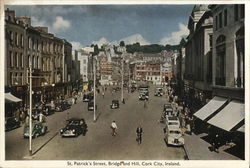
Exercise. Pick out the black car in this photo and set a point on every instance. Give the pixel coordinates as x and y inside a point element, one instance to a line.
<point>87,97</point>
<point>74,128</point>
<point>12,123</point>
<point>91,106</point>
<point>64,105</point>
<point>114,104</point>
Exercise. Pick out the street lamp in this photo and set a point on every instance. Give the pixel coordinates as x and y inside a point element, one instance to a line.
<point>94,71</point>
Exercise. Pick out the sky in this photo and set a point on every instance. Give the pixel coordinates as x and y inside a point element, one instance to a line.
<point>83,25</point>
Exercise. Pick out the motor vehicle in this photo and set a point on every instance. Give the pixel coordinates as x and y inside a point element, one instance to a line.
<point>114,104</point>
<point>172,122</point>
<point>74,127</point>
<point>61,106</point>
<point>158,92</point>
<point>12,123</point>
<point>38,129</point>
<point>174,137</point>
<point>87,97</point>
<point>143,96</point>
<point>168,109</point>
<point>91,106</point>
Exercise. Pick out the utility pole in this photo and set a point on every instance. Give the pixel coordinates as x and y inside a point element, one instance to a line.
<point>30,111</point>
<point>122,78</point>
<point>94,71</point>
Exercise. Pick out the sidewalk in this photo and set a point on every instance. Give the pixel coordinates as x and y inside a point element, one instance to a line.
<point>198,149</point>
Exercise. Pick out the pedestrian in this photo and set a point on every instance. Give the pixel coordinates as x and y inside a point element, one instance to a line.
<point>52,104</point>
<point>139,134</point>
<point>27,120</point>
<point>114,128</point>
<point>73,100</point>
<point>216,143</point>
<point>103,95</point>
<point>41,117</point>
<point>123,101</point>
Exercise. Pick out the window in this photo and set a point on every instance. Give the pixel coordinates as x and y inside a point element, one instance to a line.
<point>240,49</point>
<point>242,11</point>
<point>210,40</point>
<point>11,38</point>
<point>236,13</point>
<point>29,42</point>
<point>225,17</point>
<point>20,79</point>
<point>34,43</point>
<point>84,61</point>
<point>33,62</point>
<point>220,20</point>
<point>16,38</point>
<point>21,38</point>
<point>155,78</point>
<point>11,59</point>
<point>216,23</point>
<point>220,60</point>
<point>16,60</point>
<point>21,60</point>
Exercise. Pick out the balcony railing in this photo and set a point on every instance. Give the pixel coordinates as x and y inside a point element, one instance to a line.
<point>220,81</point>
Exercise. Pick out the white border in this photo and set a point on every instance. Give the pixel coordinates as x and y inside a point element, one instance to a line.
<point>186,164</point>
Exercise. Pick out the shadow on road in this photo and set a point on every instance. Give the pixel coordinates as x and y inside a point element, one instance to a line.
<point>98,115</point>
<point>45,143</point>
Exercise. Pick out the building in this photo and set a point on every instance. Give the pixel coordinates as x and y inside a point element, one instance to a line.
<point>49,56</point>
<point>198,64</point>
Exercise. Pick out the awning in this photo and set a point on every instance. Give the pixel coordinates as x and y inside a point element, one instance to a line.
<point>229,116</point>
<point>10,98</point>
<point>210,107</point>
<point>241,129</point>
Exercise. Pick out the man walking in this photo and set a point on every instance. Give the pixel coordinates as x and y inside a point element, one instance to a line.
<point>114,128</point>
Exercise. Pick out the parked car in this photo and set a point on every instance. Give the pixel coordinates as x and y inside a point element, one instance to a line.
<point>172,122</point>
<point>61,106</point>
<point>168,109</point>
<point>174,137</point>
<point>12,123</point>
<point>158,92</point>
<point>74,128</point>
<point>38,129</point>
<point>114,104</point>
<point>91,106</point>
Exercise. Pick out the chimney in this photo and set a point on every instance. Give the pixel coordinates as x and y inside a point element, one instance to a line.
<point>25,20</point>
<point>10,15</point>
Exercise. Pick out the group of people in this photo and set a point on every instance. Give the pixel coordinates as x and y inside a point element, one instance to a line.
<point>139,131</point>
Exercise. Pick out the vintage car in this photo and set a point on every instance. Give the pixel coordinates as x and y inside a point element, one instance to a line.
<point>87,97</point>
<point>74,128</point>
<point>174,137</point>
<point>172,122</point>
<point>91,106</point>
<point>143,96</point>
<point>37,129</point>
<point>61,106</point>
<point>168,109</point>
<point>114,104</point>
<point>158,92</point>
<point>12,123</point>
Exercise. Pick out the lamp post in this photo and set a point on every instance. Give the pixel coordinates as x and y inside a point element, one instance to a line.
<point>30,112</point>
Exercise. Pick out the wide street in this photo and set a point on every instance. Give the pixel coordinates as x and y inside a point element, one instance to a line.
<point>98,144</point>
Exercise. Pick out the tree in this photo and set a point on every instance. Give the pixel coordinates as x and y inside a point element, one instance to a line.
<point>122,43</point>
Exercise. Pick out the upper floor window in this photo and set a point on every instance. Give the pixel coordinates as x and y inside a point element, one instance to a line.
<point>220,20</point>
<point>216,23</point>
<point>225,17</point>
<point>21,39</point>
<point>236,12</point>
<point>242,11</point>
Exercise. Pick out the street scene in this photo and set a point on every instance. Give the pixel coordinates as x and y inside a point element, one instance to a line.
<point>83,83</point>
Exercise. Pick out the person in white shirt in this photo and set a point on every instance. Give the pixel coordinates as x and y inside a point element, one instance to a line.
<point>114,128</point>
